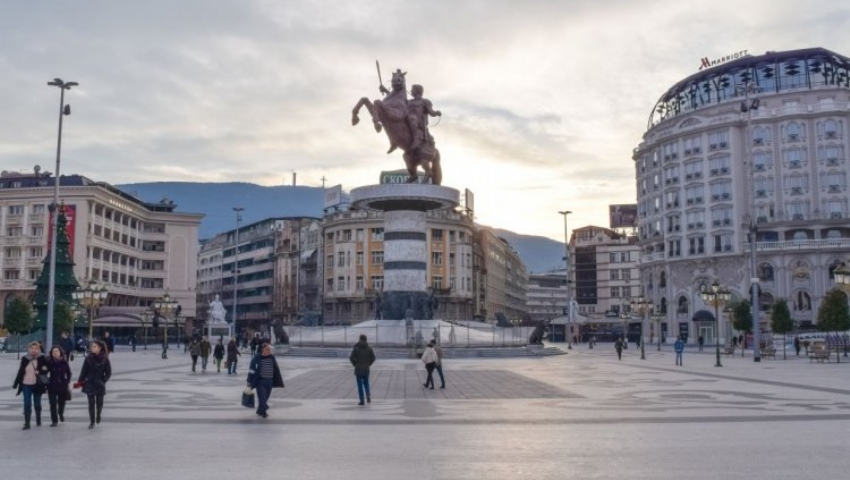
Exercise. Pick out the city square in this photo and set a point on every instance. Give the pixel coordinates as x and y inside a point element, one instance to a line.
<point>579,415</point>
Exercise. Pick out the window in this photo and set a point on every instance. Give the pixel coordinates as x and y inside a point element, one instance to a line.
<point>452,236</point>
<point>624,256</point>
<point>437,258</point>
<point>762,161</point>
<point>358,284</point>
<point>377,257</point>
<point>802,301</point>
<point>721,217</point>
<point>37,231</point>
<point>38,209</point>
<point>359,258</point>
<point>696,245</point>
<point>612,257</point>
<point>377,282</point>
<point>329,261</point>
<point>682,305</point>
<point>761,136</point>
<point>377,234</point>
<point>693,145</point>
<point>13,252</point>
<point>793,131</point>
<point>695,219</point>
<point>451,259</point>
<point>693,170</point>
<point>674,248</point>
<point>721,190</point>
<point>359,235</point>
<point>340,259</point>
<point>15,231</point>
<point>765,272</point>
<point>436,235</point>
<point>36,252</point>
<point>16,210</point>
<point>718,140</point>
<point>719,165</point>
<point>437,283</point>
<point>340,284</point>
<point>723,242</point>
<point>615,274</point>
<point>694,195</point>
<point>615,292</point>
<point>11,274</point>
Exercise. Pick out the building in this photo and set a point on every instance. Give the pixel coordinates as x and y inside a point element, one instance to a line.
<point>276,280</point>
<point>137,250</point>
<point>759,137</point>
<point>604,269</point>
<point>353,252</point>
<point>546,297</point>
<point>503,280</point>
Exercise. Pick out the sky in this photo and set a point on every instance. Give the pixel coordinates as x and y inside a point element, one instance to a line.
<point>543,101</point>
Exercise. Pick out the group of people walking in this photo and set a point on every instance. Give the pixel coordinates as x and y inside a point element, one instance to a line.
<point>39,374</point>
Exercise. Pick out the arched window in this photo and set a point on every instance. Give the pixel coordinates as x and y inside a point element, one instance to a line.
<point>761,135</point>
<point>765,272</point>
<point>802,301</point>
<point>766,301</point>
<point>663,306</point>
<point>683,305</point>
<point>662,280</point>
<point>792,130</point>
<point>830,128</point>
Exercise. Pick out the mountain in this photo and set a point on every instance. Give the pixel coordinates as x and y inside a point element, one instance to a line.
<point>216,201</point>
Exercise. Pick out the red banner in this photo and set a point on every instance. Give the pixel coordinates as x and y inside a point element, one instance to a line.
<point>70,212</point>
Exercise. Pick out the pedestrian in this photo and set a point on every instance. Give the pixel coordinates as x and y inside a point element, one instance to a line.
<point>109,342</point>
<point>58,384</point>
<point>93,377</point>
<point>194,351</point>
<point>439,366</point>
<point>797,345</point>
<point>429,358</point>
<point>31,380</point>
<point>232,356</point>
<point>679,347</point>
<point>67,344</point>
<point>218,354</point>
<point>205,353</point>
<point>254,343</point>
<point>700,342</point>
<point>263,376</point>
<point>362,357</point>
<point>618,345</point>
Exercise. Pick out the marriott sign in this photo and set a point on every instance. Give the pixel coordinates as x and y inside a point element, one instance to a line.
<point>705,62</point>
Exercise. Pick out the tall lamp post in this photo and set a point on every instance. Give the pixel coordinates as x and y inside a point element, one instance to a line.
<point>165,305</point>
<point>54,224</point>
<point>146,317</point>
<point>238,211</point>
<point>568,333</point>
<point>657,319</point>
<point>91,297</point>
<point>747,106</point>
<point>717,296</point>
<point>642,306</point>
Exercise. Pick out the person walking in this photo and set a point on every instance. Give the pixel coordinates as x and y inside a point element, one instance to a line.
<point>679,347</point>
<point>205,352</point>
<point>31,380</point>
<point>618,345</point>
<point>797,345</point>
<point>439,366</point>
<point>700,342</point>
<point>93,377</point>
<point>362,357</point>
<point>254,344</point>
<point>109,342</point>
<point>263,376</point>
<point>429,358</point>
<point>218,354</point>
<point>57,384</point>
<point>67,344</point>
<point>232,356</point>
<point>194,351</point>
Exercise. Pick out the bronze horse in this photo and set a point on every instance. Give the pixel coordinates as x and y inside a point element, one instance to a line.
<point>391,115</point>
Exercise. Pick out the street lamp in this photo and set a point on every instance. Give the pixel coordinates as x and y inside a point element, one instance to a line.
<point>146,317</point>
<point>165,305</point>
<point>842,279</point>
<point>747,106</point>
<point>54,224</point>
<point>238,211</point>
<point>642,306</point>
<point>716,295</point>
<point>568,333</point>
<point>91,297</point>
<point>657,319</point>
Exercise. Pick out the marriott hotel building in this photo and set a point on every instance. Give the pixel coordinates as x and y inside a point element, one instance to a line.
<point>717,154</point>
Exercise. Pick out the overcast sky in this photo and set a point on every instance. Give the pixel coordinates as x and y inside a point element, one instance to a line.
<point>543,101</point>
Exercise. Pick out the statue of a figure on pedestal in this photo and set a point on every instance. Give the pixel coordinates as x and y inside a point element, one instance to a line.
<point>405,122</point>
<point>217,311</point>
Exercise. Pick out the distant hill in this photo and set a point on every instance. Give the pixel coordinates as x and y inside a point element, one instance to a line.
<point>216,201</point>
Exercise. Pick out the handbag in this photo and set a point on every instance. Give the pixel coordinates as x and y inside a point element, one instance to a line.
<point>248,397</point>
<point>41,380</point>
<point>68,394</point>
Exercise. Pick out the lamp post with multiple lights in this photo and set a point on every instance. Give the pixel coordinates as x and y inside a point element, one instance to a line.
<point>717,296</point>
<point>164,306</point>
<point>569,309</point>
<point>642,306</point>
<point>54,224</point>
<point>91,297</point>
<point>238,211</point>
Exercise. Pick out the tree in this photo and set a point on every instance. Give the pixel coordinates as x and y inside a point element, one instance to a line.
<point>833,314</point>
<point>781,322</point>
<point>19,319</point>
<point>63,317</point>
<point>742,319</point>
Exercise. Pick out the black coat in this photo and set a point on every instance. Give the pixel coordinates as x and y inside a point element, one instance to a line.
<point>218,352</point>
<point>40,368</point>
<point>362,357</point>
<point>254,369</point>
<point>232,352</point>
<point>60,375</point>
<point>95,373</point>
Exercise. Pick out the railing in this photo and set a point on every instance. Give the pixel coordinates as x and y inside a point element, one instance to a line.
<point>801,245</point>
<point>397,333</point>
<point>652,257</point>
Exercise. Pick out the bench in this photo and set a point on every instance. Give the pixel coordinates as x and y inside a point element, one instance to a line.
<point>769,352</point>
<point>820,355</point>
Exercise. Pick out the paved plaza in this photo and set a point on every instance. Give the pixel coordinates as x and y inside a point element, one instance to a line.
<point>580,415</point>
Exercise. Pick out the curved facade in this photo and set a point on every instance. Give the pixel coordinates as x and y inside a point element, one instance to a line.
<point>713,156</point>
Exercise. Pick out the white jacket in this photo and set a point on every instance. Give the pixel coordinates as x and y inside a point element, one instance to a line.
<point>429,356</point>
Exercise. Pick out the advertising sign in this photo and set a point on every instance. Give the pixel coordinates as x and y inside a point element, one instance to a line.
<point>398,176</point>
<point>622,215</point>
<point>70,212</point>
<point>333,196</point>
<point>469,200</point>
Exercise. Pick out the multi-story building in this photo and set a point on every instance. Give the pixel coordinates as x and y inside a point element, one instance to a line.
<point>604,270</point>
<point>503,279</point>
<point>546,297</point>
<point>137,250</point>
<point>757,140</point>
<point>353,252</point>
<point>271,282</point>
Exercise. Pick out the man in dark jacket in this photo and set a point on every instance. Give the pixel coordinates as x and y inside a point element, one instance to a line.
<point>263,376</point>
<point>362,357</point>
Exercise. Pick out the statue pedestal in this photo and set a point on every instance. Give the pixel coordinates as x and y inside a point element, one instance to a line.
<point>405,241</point>
<point>216,330</point>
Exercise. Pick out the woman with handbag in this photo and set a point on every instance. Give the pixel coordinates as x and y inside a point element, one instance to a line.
<point>93,377</point>
<point>429,358</point>
<point>32,381</point>
<point>264,375</point>
<point>57,386</point>
<point>218,354</point>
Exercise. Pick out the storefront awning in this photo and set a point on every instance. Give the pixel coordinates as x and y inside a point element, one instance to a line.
<point>305,255</point>
<point>703,316</point>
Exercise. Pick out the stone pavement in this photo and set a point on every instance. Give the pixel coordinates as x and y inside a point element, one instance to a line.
<point>581,415</point>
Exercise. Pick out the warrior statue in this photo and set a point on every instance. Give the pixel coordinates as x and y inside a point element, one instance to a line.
<point>405,122</point>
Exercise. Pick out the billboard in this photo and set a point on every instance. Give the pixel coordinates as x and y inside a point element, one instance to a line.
<point>623,215</point>
<point>469,200</point>
<point>333,196</point>
<point>398,176</point>
<point>70,212</point>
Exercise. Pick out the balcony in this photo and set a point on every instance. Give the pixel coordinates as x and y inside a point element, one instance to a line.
<point>822,244</point>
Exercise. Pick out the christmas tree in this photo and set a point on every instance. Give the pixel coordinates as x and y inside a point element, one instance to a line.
<point>65,282</point>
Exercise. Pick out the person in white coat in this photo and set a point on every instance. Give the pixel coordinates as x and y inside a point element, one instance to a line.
<point>429,358</point>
